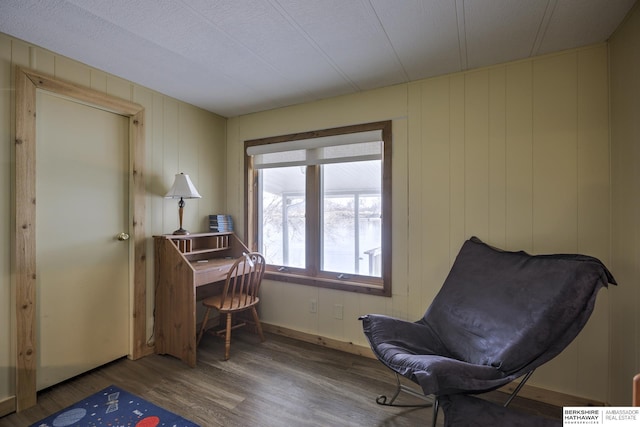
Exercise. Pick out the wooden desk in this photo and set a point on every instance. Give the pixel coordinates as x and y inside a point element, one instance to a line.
<point>183,264</point>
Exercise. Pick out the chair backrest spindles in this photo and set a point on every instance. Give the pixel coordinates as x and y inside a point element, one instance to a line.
<point>243,281</point>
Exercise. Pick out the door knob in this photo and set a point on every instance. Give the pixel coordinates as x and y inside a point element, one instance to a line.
<point>123,236</point>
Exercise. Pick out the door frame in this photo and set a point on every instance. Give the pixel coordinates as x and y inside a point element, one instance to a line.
<point>27,82</point>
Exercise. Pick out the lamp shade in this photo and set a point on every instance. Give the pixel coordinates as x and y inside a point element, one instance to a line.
<point>182,188</point>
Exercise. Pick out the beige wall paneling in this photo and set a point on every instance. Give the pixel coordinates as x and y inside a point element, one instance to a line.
<point>297,313</point>
<point>373,304</point>
<point>555,153</point>
<point>211,166</point>
<point>570,157</point>
<point>72,71</point>
<point>294,312</point>
<point>518,156</point>
<point>497,157</point>
<point>192,156</point>
<point>555,183</point>
<point>593,152</point>
<point>171,164</point>
<point>413,153</point>
<point>207,135</point>
<point>310,321</point>
<point>234,179</point>
<point>430,210</point>
<point>371,106</point>
<point>476,155</point>
<point>117,87</point>
<point>157,179</point>
<point>594,210</point>
<point>414,283</point>
<point>457,177</point>
<point>329,324</point>
<point>399,308</point>
<point>625,90</point>
<point>188,163</point>
<point>7,359</point>
<point>98,80</point>
<point>272,303</point>
<point>42,60</point>
<point>301,298</point>
<point>214,162</point>
<point>401,286</point>
<point>21,54</point>
<point>352,304</point>
<point>571,194</point>
<point>625,259</point>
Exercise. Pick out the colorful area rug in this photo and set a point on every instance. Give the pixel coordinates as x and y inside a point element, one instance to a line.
<point>114,407</point>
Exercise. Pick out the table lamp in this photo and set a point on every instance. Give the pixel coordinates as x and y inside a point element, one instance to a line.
<point>182,189</point>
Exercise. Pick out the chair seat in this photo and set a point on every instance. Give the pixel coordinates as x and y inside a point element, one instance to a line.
<point>400,345</point>
<point>234,304</point>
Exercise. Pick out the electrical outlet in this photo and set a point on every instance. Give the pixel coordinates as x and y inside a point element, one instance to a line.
<point>313,306</point>
<point>337,311</point>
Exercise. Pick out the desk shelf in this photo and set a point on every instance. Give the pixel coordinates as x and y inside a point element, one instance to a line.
<point>202,243</point>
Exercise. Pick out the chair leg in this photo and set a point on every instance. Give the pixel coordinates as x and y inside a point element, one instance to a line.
<point>517,390</point>
<point>257,321</point>
<point>227,338</point>
<point>385,401</point>
<point>204,325</point>
<point>436,406</point>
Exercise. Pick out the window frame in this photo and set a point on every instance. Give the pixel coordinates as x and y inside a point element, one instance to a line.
<point>312,275</point>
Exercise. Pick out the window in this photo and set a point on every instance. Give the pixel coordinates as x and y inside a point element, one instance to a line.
<point>319,206</point>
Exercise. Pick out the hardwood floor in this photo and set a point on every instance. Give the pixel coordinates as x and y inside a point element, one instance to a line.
<point>281,382</point>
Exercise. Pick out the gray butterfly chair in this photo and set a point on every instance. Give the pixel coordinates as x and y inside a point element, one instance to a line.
<point>498,316</point>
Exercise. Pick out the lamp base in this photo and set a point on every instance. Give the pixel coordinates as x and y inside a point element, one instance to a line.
<point>181,231</point>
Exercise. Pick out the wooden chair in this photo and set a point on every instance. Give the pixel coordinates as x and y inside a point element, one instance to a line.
<point>240,294</point>
<point>636,391</point>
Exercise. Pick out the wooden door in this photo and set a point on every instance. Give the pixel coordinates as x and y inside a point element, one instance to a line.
<point>83,311</point>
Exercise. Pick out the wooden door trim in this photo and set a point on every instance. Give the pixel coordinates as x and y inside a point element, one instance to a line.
<point>24,255</point>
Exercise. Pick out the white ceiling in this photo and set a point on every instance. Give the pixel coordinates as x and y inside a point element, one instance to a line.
<point>235,57</point>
